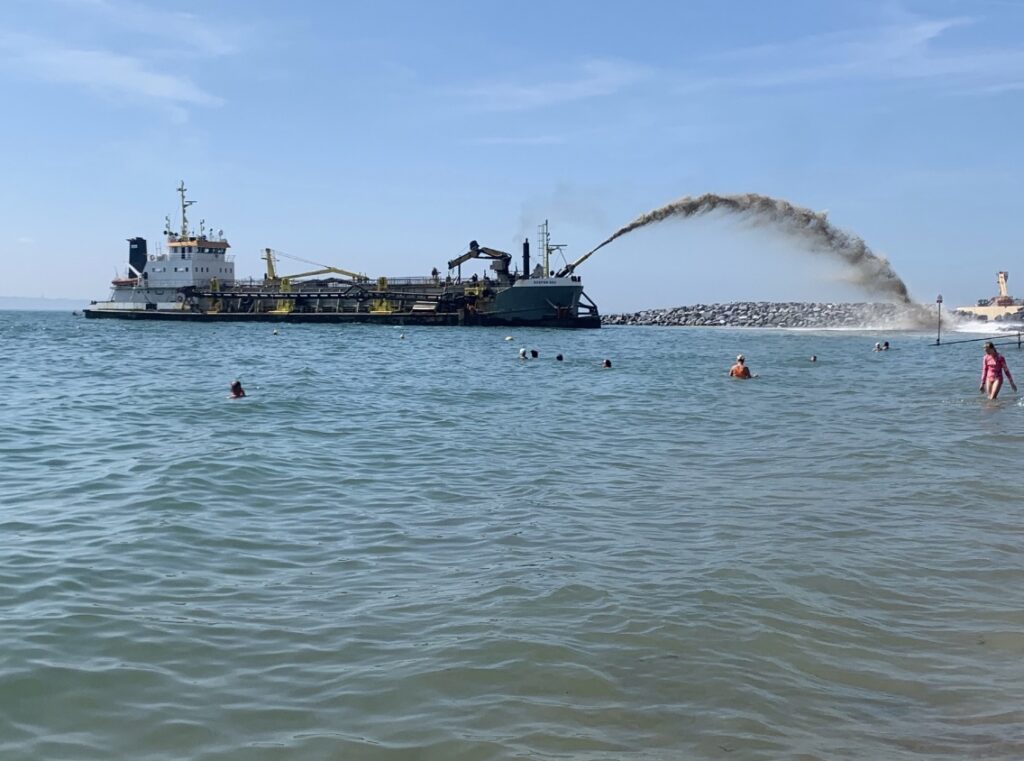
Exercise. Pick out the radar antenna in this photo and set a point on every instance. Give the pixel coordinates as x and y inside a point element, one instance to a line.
<point>184,205</point>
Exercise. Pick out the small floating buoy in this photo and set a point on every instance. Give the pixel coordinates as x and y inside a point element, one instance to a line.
<point>508,338</point>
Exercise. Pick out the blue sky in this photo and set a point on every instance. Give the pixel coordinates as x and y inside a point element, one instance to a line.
<point>383,136</point>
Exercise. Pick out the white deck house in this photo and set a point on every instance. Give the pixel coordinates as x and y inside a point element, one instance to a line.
<point>200,261</point>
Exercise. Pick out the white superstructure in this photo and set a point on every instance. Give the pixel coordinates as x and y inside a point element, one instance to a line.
<point>154,281</point>
<point>191,259</point>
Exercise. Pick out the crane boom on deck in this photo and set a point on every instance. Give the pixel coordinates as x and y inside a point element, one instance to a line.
<point>270,256</point>
<point>476,251</point>
<point>500,260</point>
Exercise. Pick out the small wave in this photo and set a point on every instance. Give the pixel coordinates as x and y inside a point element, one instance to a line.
<point>985,328</point>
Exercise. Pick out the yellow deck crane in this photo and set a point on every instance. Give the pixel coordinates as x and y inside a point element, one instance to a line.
<point>270,256</point>
<point>284,282</point>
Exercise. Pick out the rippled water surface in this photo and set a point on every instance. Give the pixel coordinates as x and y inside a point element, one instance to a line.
<point>425,548</point>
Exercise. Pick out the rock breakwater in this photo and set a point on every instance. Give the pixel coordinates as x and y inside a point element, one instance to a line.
<point>770,314</point>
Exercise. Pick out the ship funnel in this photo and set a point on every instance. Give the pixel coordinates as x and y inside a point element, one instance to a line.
<point>137,255</point>
<point>526,258</point>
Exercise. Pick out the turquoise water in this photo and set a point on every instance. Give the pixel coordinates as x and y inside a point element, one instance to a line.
<point>425,548</point>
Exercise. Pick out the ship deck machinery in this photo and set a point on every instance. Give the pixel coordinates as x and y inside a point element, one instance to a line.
<point>195,281</point>
<point>504,299</point>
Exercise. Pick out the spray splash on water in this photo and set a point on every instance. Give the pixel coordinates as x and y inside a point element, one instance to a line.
<point>872,272</point>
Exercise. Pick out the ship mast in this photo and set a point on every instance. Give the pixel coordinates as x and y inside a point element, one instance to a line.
<point>184,205</point>
<point>547,247</point>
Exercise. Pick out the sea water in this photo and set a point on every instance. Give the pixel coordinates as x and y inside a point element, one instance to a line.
<point>407,543</point>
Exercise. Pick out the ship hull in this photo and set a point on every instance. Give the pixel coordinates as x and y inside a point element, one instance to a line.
<point>393,318</point>
<point>541,302</point>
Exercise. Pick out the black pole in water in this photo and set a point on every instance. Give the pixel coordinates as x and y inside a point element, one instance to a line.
<point>938,333</point>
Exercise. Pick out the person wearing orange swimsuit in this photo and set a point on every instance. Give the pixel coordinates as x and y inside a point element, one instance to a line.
<point>740,370</point>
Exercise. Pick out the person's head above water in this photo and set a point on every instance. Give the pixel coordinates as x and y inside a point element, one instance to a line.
<point>522,354</point>
<point>236,388</point>
<point>741,359</point>
<point>606,363</point>
<point>534,353</point>
<point>885,346</point>
<point>814,358</point>
<point>558,357</point>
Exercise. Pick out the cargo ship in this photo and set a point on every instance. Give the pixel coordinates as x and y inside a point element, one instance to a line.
<point>193,279</point>
<point>1001,307</point>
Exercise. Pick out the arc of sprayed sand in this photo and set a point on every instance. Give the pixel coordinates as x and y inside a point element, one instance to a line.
<point>874,273</point>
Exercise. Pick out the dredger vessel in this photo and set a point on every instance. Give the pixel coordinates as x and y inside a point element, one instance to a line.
<point>194,279</point>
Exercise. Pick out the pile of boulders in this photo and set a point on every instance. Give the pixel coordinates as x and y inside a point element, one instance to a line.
<point>770,314</point>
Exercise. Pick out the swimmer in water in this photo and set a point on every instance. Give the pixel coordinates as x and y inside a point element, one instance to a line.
<point>740,369</point>
<point>607,364</point>
<point>237,392</point>
<point>814,358</point>
<point>993,365</point>
<point>534,354</point>
<point>522,354</point>
<point>885,346</point>
<point>558,357</point>
<point>878,347</point>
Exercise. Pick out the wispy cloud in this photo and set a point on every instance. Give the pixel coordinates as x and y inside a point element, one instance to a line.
<point>185,30</point>
<point>911,50</point>
<point>137,68</point>
<point>100,70</point>
<point>592,79</point>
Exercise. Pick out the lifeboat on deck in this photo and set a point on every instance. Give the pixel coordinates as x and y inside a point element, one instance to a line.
<point>125,282</point>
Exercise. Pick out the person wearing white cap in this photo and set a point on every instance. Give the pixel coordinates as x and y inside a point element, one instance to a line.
<point>740,369</point>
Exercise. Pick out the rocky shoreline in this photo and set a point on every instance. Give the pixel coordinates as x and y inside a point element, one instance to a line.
<point>769,314</point>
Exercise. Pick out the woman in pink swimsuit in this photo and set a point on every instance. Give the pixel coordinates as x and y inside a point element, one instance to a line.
<point>993,365</point>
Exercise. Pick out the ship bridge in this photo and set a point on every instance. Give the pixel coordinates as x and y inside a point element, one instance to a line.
<point>200,260</point>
